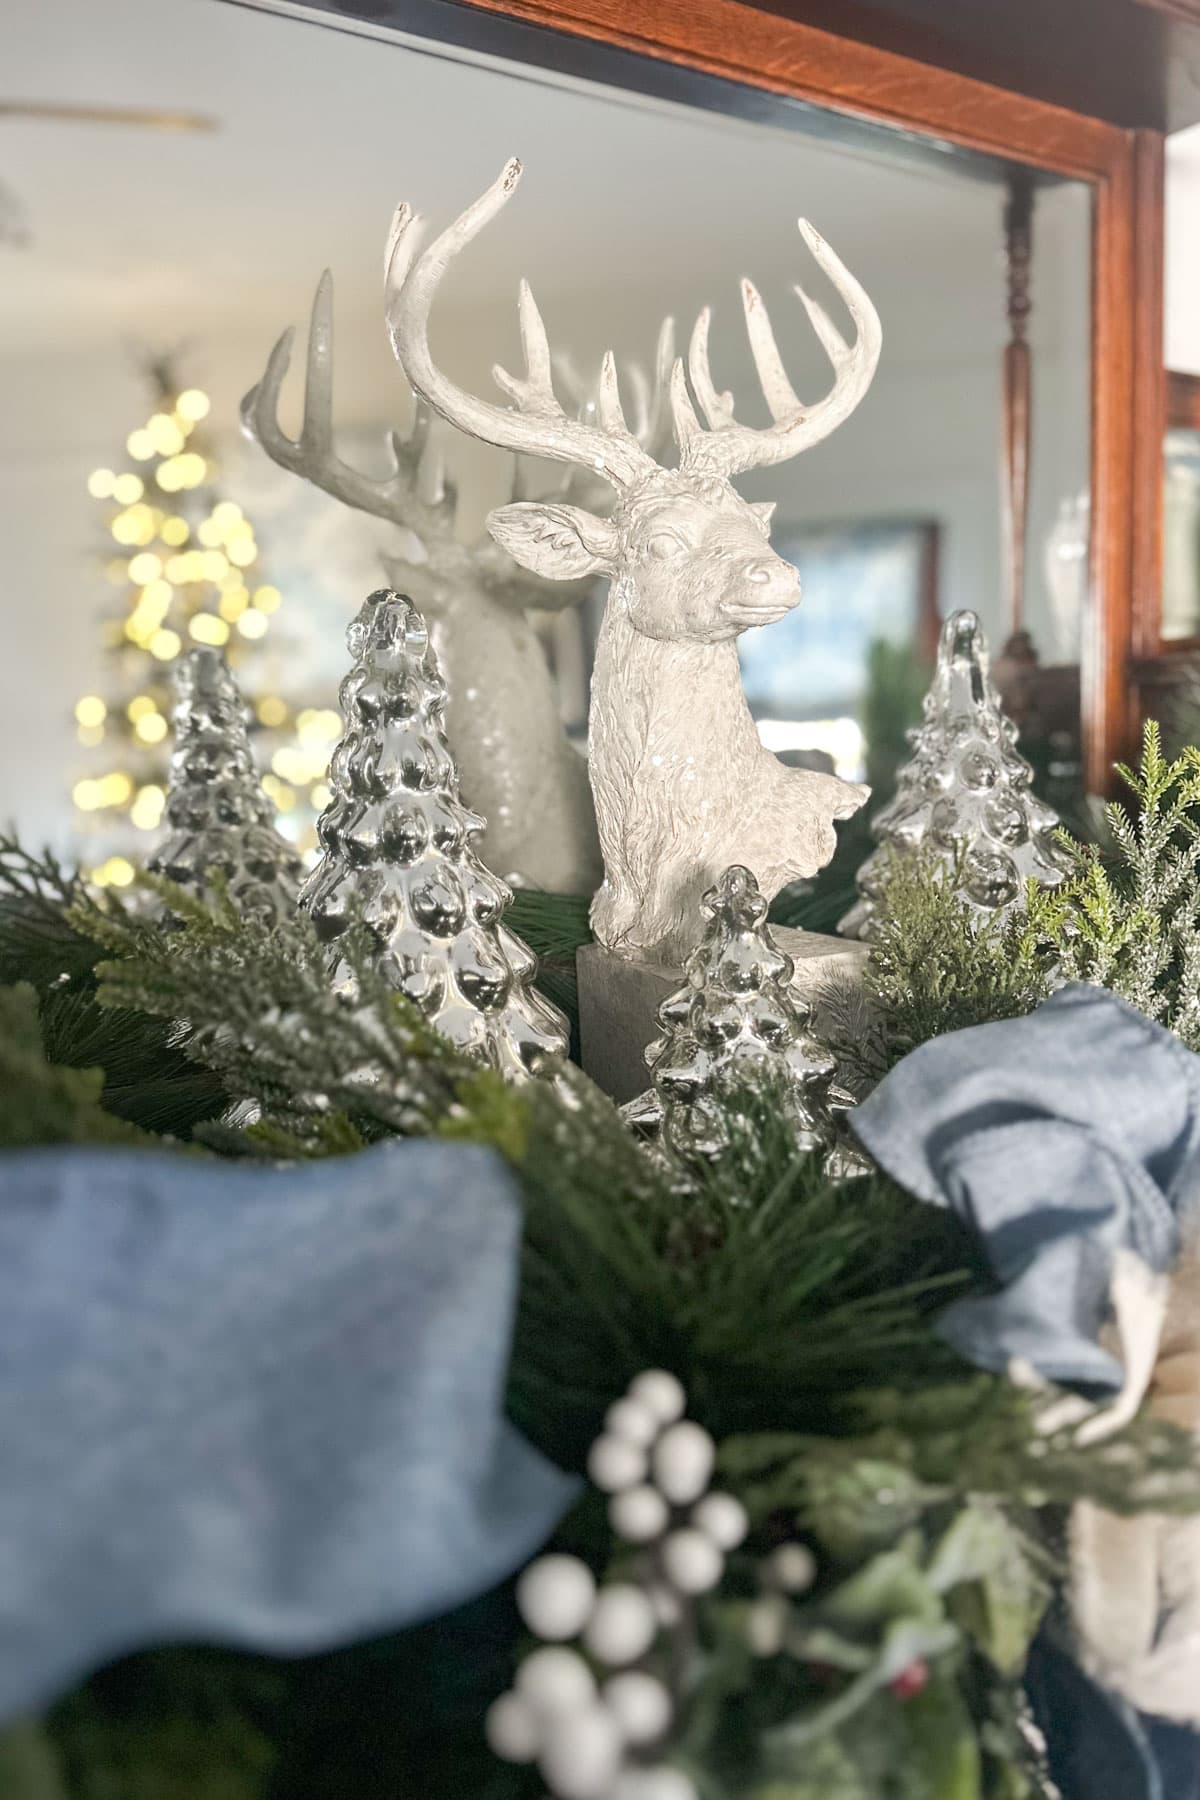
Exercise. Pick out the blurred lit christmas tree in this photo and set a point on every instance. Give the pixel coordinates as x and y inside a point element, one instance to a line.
<point>187,569</point>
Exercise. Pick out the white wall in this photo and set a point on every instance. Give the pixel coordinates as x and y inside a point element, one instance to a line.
<point>1182,321</point>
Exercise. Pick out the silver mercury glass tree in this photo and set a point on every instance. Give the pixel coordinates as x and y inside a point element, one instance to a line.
<point>398,856</point>
<point>965,792</point>
<point>736,1018</point>
<point>218,816</point>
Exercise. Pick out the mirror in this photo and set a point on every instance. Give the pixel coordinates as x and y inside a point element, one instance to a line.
<point>1181,512</point>
<point>167,213</point>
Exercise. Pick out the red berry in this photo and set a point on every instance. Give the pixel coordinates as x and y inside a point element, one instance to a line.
<point>911,1681</point>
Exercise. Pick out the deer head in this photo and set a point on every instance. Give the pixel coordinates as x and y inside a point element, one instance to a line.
<point>664,520</point>
<point>690,567</point>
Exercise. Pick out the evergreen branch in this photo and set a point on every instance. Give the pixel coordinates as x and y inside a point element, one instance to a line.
<point>981,1436</point>
<point>37,941</point>
<point>260,1014</point>
<point>43,1103</point>
<point>553,925</point>
<point>936,965</point>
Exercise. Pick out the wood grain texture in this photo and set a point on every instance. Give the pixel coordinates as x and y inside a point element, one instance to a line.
<point>784,56</point>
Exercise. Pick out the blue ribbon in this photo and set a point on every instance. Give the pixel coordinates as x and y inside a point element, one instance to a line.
<point>254,1407</point>
<point>1059,1138</point>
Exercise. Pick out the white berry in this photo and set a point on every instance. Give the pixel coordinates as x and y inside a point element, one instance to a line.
<point>691,1562</point>
<point>513,1731</point>
<point>556,1681</point>
<point>792,1568</point>
<point>723,1519</point>
<point>582,1754</point>
<point>614,1463</point>
<point>639,1514</point>
<point>683,1462</point>
<point>766,1625</point>
<point>661,1392</point>
<point>640,1704</point>
<point>632,1420</point>
<point>555,1595</point>
<point>666,1604</point>
<point>622,1626</point>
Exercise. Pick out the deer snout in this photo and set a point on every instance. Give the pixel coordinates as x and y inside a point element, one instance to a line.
<point>769,588</point>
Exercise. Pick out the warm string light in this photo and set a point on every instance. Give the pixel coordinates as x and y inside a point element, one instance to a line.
<point>189,574</point>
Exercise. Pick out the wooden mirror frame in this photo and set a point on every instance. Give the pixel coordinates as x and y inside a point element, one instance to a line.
<point>761,51</point>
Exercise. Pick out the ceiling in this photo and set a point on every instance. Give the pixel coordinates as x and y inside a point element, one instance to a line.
<point>320,133</point>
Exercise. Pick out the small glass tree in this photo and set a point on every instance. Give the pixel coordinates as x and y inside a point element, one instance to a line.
<point>219,816</point>
<point>737,1017</point>
<point>397,856</point>
<point>966,792</point>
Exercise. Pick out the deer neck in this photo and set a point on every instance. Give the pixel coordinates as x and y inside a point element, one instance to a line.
<point>667,705</point>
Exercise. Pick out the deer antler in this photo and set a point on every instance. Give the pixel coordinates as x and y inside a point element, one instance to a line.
<point>414,492</point>
<point>651,398</point>
<point>728,448</point>
<point>536,424</point>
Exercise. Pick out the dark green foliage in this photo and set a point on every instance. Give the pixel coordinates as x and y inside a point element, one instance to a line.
<point>554,926</point>
<point>171,1725</point>
<point>1134,920</point>
<point>772,1293</point>
<point>49,939</point>
<point>37,944</point>
<point>802,1317</point>
<point>937,966</point>
<point>260,1014</point>
<point>30,1766</point>
<point>897,681</point>
<point>44,1104</point>
<point>1127,918</point>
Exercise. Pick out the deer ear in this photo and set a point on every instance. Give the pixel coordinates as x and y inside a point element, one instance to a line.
<point>763,511</point>
<point>559,543</point>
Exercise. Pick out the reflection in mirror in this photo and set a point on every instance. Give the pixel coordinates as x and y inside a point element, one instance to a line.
<point>1181,511</point>
<point>162,264</point>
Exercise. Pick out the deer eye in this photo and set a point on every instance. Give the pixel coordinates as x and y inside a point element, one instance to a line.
<point>662,544</point>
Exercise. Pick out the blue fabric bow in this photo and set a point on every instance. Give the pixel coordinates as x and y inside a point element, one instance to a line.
<point>255,1407</point>
<point>1060,1138</point>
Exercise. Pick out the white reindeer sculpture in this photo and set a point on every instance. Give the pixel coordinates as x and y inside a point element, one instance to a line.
<point>682,785</point>
<point>515,762</point>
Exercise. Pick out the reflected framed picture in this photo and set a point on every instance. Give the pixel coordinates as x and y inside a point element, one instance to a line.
<point>861,581</point>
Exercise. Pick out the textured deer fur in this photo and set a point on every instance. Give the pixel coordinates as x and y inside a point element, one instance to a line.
<point>516,765</point>
<point>682,785</point>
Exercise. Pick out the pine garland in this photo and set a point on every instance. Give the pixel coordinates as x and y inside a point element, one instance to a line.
<point>1127,918</point>
<point>800,1316</point>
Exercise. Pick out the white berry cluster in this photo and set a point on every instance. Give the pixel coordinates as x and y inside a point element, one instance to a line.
<point>788,1571</point>
<point>592,1741</point>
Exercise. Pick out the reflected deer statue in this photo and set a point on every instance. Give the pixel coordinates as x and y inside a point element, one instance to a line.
<point>515,762</point>
<point>682,785</point>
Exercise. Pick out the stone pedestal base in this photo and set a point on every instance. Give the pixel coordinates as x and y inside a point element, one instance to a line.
<point>619,1001</point>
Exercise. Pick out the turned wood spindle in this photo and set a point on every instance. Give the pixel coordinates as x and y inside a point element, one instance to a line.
<point>1017,389</point>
